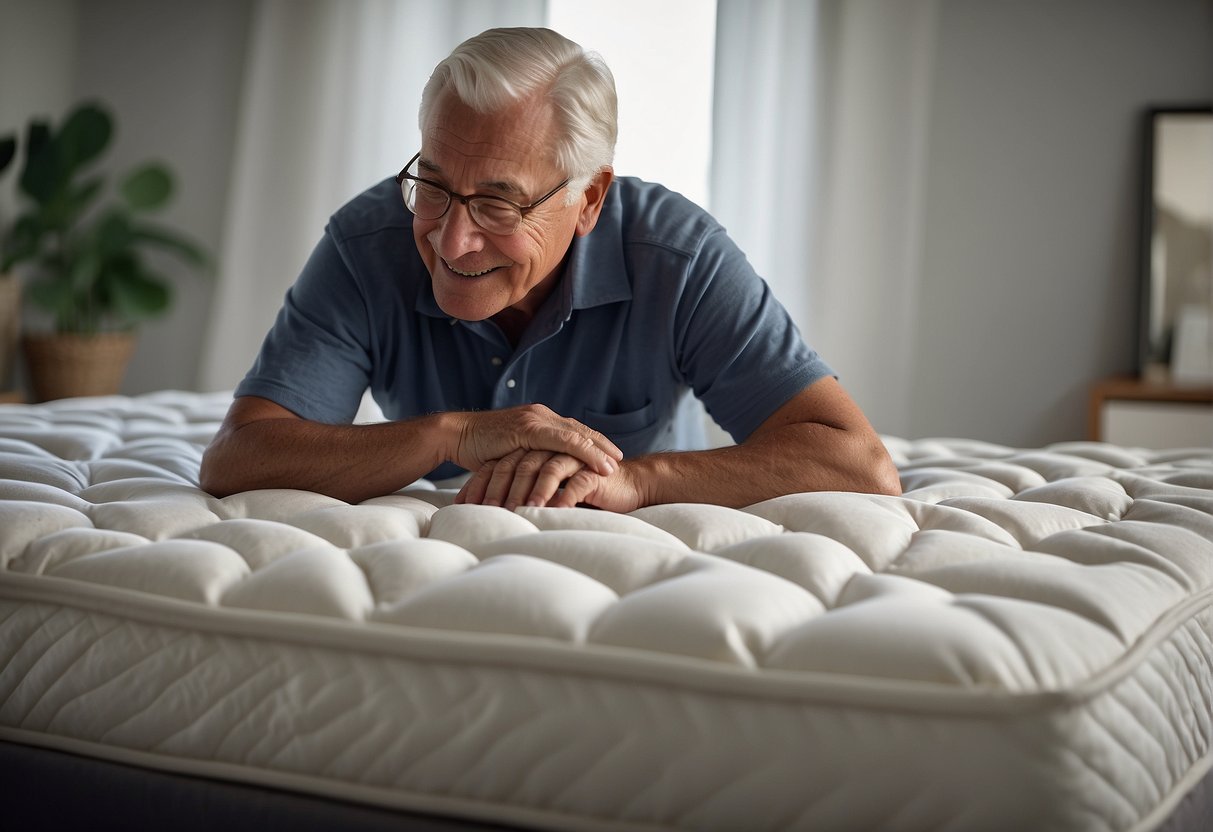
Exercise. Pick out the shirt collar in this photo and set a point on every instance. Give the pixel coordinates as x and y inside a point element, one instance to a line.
<point>596,271</point>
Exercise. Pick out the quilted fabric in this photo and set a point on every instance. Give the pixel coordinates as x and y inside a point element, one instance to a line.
<point>1022,640</point>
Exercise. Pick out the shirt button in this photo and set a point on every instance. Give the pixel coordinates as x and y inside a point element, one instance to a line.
<point>454,321</point>
<point>495,361</point>
<point>511,384</point>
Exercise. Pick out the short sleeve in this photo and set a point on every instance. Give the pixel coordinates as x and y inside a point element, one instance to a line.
<point>315,360</point>
<point>736,345</point>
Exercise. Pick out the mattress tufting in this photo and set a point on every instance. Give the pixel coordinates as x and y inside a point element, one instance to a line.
<point>1023,640</point>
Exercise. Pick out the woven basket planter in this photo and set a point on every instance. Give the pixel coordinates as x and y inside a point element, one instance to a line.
<point>66,365</point>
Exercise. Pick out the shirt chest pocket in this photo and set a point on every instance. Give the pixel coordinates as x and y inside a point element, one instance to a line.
<point>634,431</point>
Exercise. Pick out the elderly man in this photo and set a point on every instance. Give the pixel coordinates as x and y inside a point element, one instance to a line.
<point>543,328</point>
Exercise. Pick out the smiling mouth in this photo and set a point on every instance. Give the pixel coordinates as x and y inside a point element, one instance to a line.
<point>462,273</point>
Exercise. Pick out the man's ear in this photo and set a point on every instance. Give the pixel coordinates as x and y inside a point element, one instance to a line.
<point>595,196</point>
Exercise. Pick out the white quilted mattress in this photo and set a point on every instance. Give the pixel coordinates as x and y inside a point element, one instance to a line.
<point>1023,641</point>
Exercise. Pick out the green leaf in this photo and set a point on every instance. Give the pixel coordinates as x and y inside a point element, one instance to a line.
<point>137,294</point>
<point>85,269</point>
<point>63,210</point>
<point>22,242</point>
<point>179,244</point>
<point>8,149</point>
<point>84,135</point>
<point>52,159</point>
<point>84,195</point>
<point>147,188</point>
<point>53,295</point>
<point>114,235</point>
<point>45,173</point>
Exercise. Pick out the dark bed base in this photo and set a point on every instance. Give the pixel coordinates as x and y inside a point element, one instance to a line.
<point>1195,812</point>
<point>52,790</point>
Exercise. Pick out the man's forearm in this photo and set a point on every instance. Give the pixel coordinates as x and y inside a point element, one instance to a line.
<point>785,460</point>
<point>778,460</point>
<point>349,462</point>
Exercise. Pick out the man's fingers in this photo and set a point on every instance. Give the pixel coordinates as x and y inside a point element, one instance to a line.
<point>544,430</point>
<point>586,437</point>
<point>527,478</point>
<point>473,490</point>
<point>502,477</point>
<point>493,435</point>
<point>521,477</point>
<point>553,472</point>
<point>577,489</point>
<point>538,478</point>
<point>586,445</point>
<point>511,484</point>
<point>520,456</point>
<point>609,454</point>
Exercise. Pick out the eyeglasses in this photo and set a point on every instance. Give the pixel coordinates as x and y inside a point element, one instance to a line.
<point>430,201</point>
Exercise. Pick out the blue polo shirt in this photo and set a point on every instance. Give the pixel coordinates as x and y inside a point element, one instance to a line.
<point>657,304</point>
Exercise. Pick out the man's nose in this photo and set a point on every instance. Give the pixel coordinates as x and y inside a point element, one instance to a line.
<point>458,233</point>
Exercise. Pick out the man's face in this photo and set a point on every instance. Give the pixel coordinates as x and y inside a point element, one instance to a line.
<point>475,274</point>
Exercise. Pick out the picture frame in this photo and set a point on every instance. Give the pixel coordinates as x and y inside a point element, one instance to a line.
<point>1176,267</point>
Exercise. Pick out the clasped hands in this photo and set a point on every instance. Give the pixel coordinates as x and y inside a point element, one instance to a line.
<point>531,456</point>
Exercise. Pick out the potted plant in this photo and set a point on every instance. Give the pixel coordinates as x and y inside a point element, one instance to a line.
<point>84,253</point>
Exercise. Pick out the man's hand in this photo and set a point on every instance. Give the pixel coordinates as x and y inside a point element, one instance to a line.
<point>540,478</point>
<point>623,491</point>
<point>533,433</point>
<point>817,441</point>
<point>263,445</point>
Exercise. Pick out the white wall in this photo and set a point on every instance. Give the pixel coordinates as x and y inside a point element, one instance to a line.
<point>1030,249</point>
<point>172,73</point>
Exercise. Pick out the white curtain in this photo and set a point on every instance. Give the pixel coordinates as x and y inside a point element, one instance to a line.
<point>820,129</point>
<point>329,108</point>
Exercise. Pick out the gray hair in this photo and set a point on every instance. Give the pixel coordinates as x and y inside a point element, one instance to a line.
<point>496,68</point>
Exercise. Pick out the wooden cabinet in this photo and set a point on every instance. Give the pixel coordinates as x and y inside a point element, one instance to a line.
<point>1146,414</point>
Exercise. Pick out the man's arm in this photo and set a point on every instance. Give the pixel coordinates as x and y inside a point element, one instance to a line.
<point>263,445</point>
<point>818,441</point>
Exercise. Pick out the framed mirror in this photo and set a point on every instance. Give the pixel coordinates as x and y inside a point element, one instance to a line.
<point>1176,330</point>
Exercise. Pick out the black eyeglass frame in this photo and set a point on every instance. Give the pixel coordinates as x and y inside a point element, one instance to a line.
<point>466,199</point>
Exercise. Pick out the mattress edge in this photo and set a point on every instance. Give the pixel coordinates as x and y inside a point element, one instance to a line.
<point>592,660</point>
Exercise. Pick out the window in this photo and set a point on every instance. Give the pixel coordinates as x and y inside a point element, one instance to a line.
<point>662,56</point>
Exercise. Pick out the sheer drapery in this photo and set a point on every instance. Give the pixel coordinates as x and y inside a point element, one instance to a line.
<point>329,108</point>
<point>820,126</point>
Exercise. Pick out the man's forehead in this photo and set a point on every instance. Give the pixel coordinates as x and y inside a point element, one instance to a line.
<point>517,167</point>
<point>490,173</point>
